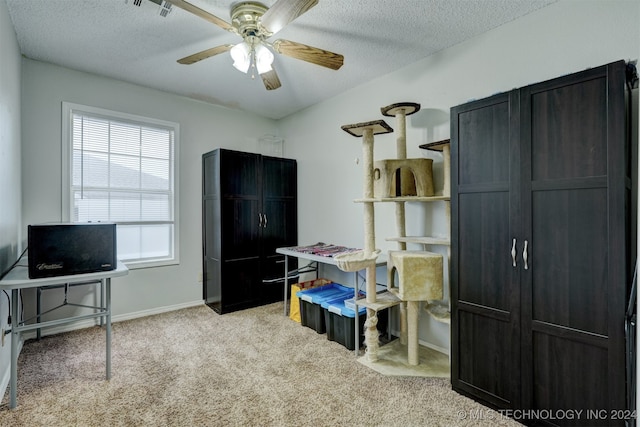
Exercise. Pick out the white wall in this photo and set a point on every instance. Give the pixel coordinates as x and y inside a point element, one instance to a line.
<point>565,37</point>
<point>203,127</point>
<point>10,185</point>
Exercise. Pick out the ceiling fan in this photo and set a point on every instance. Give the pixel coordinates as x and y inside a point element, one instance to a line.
<point>255,23</point>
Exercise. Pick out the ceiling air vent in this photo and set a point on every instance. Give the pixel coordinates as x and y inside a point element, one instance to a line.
<point>165,6</point>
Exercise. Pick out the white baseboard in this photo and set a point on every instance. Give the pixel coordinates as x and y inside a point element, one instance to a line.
<point>426,344</point>
<point>114,319</point>
<point>157,310</point>
<point>434,347</point>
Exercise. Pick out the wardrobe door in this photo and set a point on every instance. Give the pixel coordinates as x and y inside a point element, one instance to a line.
<point>573,291</point>
<point>485,342</point>
<point>241,194</point>
<point>240,228</point>
<point>280,221</point>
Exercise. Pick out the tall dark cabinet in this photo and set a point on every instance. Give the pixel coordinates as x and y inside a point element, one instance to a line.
<point>249,208</point>
<point>543,243</point>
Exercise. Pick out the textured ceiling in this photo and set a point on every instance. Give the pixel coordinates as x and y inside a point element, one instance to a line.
<point>116,38</point>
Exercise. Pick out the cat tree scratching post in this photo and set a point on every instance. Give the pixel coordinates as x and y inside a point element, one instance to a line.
<point>406,186</point>
<point>367,257</point>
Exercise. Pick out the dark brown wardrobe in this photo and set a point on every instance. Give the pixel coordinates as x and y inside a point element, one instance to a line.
<point>543,247</point>
<point>249,208</point>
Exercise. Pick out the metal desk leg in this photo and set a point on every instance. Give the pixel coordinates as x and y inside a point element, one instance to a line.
<point>108,321</point>
<point>15,337</point>
<point>286,282</point>
<point>38,311</point>
<point>101,301</point>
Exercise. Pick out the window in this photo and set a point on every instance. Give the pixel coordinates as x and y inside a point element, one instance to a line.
<point>121,168</point>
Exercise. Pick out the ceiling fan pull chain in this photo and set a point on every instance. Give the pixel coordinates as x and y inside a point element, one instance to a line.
<point>253,62</point>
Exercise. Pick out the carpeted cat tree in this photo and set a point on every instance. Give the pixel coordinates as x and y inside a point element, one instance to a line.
<point>419,272</point>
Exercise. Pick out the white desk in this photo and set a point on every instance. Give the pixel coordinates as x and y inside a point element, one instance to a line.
<point>18,279</point>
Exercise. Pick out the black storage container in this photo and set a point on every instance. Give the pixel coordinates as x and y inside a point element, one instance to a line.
<point>311,311</point>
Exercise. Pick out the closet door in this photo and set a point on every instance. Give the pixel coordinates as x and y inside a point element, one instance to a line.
<point>574,180</point>
<point>485,342</point>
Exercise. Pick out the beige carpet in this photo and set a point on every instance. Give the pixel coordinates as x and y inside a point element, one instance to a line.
<point>195,368</point>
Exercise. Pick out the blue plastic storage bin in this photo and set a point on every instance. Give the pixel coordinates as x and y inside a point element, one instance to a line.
<point>340,321</point>
<point>311,311</point>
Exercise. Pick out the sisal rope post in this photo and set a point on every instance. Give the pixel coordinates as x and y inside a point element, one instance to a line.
<point>370,326</point>
<point>412,331</point>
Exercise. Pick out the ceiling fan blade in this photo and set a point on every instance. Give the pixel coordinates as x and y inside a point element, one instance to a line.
<point>203,14</point>
<point>204,54</point>
<point>271,80</point>
<point>283,12</point>
<point>309,53</point>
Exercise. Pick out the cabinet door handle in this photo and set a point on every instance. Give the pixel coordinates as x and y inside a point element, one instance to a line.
<point>525,255</point>
<point>259,219</point>
<point>265,220</point>
<point>513,252</point>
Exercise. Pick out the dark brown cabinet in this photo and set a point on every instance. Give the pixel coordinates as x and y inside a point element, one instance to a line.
<point>542,247</point>
<point>249,209</point>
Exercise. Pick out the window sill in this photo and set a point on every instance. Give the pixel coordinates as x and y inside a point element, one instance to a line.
<point>135,265</point>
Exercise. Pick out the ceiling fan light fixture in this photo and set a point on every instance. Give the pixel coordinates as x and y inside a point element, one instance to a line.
<point>263,58</point>
<point>241,55</point>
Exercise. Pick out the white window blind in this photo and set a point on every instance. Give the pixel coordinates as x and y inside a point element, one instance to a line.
<point>122,170</point>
